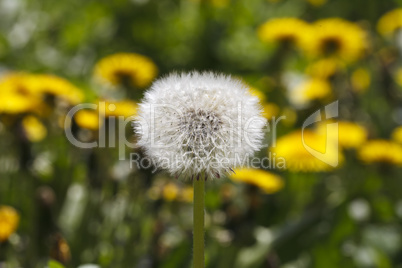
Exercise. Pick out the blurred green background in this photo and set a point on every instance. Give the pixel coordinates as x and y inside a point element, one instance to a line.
<point>63,206</point>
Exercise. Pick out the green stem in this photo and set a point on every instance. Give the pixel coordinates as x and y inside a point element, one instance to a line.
<point>198,235</point>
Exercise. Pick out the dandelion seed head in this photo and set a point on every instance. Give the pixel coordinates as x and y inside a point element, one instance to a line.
<point>199,123</point>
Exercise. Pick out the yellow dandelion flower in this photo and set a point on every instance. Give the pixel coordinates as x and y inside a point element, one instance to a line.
<point>258,93</point>
<point>18,96</point>
<point>15,95</point>
<point>170,191</point>
<point>314,89</point>
<point>290,147</point>
<point>187,194</point>
<point>35,87</point>
<point>9,220</point>
<point>45,84</point>
<point>284,31</point>
<point>271,110</point>
<point>381,151</point>
<point>337,37</point>
<point>34,129</point>
<point>360,80</point>
<point>265,180</point>
<point>87,119</point>
<point>16,83</point>
<point>120,68</point>
<point>124,108</point>
<point>397,134</point>
<point>324,68</point>
<point>15,104</point>
<point>309,90</point>
<point>350,135</point>
<point>390,22</point>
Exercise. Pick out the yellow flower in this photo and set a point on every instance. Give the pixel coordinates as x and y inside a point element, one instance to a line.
<point>124,108</point>
<point>88,119</point>
<point>15,104</point>
<point>9,220</point>
<point>298,158</point>
<point>314,89</point>
<point>360,80</point>
<point>15,95</point>
<point>381,151</point>
<point>324,68</point>
<point>34,129</point>
<point>284,30</point>
<point>350,135</point>
<point>397,134</point>
<point>258,93</point>
<point>308,90</point>
<point>120,68</point>
<point>36,87</point>
<point>46,84</point>
<point>15,83</point>
<point>390,22</point>
<point>170,191</point>
<point>270,110</point>
<point>337,37</point>
<point>265,180</point>
<point>187,194</point>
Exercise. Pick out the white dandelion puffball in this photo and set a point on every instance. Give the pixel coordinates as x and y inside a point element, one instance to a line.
<point>199,123</point>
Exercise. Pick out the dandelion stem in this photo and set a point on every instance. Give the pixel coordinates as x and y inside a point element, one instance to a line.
<point>198,235</point>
